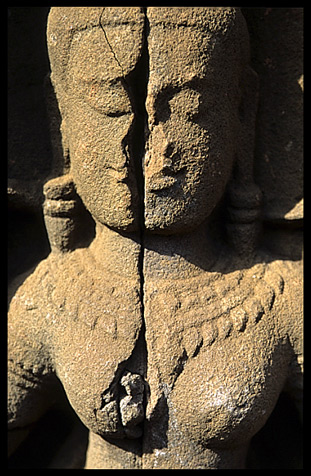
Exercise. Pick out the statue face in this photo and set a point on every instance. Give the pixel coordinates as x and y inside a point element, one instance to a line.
<point>192,105</point>
<point>192,100</point>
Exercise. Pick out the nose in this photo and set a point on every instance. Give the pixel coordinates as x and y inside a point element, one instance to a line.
<point>161,145</point>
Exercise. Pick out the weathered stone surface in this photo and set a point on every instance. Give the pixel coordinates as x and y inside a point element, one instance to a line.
<point>173,332</point>
<point>190,75</point>
<point>86,48</point>
<point>76,300</point>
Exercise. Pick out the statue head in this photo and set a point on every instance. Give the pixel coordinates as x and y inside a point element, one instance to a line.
<point>156,103</point>
<point>93,52</point>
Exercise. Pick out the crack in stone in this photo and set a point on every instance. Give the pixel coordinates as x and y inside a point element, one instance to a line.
<point>108,42</point>
<point>116,399</point>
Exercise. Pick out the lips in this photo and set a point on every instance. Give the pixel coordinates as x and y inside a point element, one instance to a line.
<point>120,175</point>
<point>164,178</point>
<point>158,181</point>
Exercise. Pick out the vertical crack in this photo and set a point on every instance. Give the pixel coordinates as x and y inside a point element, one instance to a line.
<point>134,145</point>
<point>143,131</point>
<point>136,85</point>
<point>139,90</point>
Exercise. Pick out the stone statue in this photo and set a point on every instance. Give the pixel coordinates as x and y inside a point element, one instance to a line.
<point>173,333</point>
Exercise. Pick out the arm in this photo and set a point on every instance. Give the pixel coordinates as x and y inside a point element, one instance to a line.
<point>30,374</point>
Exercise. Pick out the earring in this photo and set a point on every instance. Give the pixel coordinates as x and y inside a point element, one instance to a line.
<point>243,214</point>
<point>68,223</point>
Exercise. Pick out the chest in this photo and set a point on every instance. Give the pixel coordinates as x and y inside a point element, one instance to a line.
<point>207,352</point>
<point>216,367</point>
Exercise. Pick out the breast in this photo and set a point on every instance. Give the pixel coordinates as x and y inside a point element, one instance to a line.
<point>222,397</point>
<point>95,327</point>
<point>225,395</point>
<point>216,367</point>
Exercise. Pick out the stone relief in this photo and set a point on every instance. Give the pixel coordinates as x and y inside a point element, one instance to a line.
<point>172,332</point>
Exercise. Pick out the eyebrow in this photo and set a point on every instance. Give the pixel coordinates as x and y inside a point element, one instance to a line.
<point>195,84</point>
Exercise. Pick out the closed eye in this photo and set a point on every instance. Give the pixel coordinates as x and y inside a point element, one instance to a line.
<point>109,99</point>
<point>184,103</point>
<point>162,104</point>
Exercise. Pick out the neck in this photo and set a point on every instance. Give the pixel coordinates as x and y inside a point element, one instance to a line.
<point>164,256</point>
<point>118,253</point>
<point>179,256</point>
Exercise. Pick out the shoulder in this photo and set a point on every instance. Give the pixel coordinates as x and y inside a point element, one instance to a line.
<point>36,300</point>
<point>292,306</point>
<point>285,277</point>
<point>34,295</point>
<point>290,318</point>
<point>274,286</point>
<point>32,289</point>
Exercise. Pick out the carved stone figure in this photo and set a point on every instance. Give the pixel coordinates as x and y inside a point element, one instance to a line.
<point>172,332</point>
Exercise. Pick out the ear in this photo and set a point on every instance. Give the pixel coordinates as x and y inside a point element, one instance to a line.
<point>247,111</point>
<point>243,195</point>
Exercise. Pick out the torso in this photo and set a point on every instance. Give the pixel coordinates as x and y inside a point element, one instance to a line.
<point>211,349</point>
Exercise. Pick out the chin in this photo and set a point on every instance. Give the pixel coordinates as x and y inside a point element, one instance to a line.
<point>170,224</point>
<point>128,224</point>
<point>167,215</point>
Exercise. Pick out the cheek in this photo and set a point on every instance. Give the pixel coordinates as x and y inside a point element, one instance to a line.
<point>97,148</point>
<point>208,153</point>
<point>203,133</point>
<point>217,168</point>
<point>218,142</point>
<point>97,136</point>
<point>102,170</point>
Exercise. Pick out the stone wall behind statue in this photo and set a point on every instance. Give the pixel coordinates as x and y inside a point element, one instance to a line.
<point>276,36</point>
<point>29,145</point>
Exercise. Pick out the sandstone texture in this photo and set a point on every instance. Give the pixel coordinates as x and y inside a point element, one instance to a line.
<point>175,330</point>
